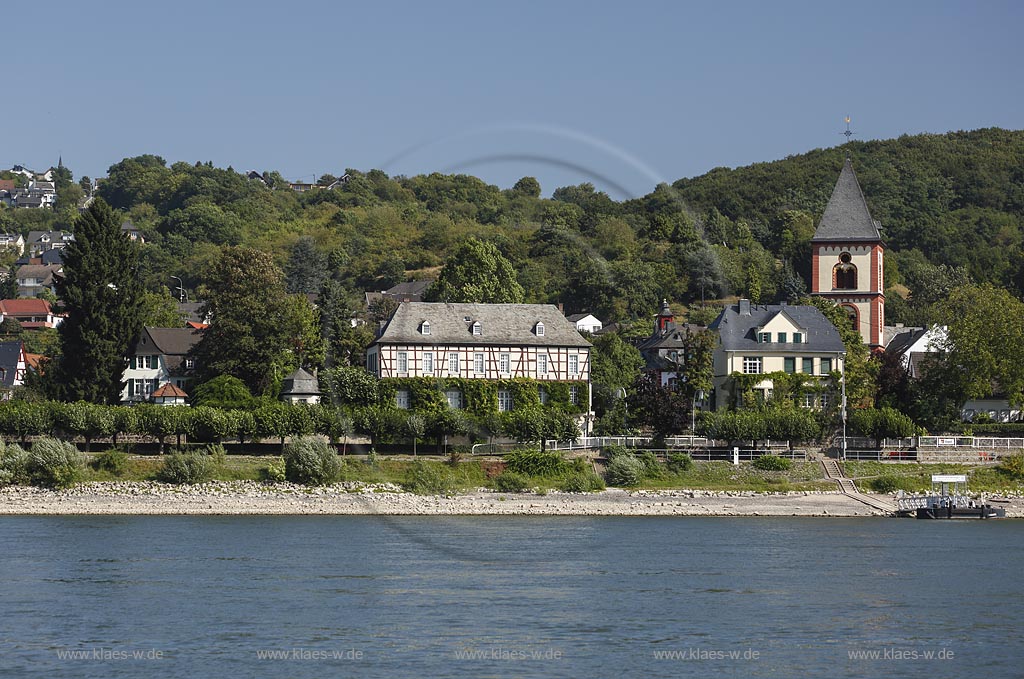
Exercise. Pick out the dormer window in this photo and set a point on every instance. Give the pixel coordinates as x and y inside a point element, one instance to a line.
<point>539,329</point>
<point>425,328</point>
<point>477,330</point>
<point>764,338</point>
<point>798,338</point>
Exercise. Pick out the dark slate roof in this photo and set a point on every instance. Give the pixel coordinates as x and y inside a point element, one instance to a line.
<point>501,324</point>
<point>54,256</point>
<point>300,383</point>
<point>738,331</point>
<point>846,216</point>
<point>905,339</point>
<point>172,343</point>
<point>10,354</point>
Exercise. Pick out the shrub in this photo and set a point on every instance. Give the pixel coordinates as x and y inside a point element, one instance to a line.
<point>511,482</point>
<point>613,451</point>
<point>432,479</point>
<point>581,482</point>
<point>274,471</point>
<point>1013,466</point>
<point>679,462</point>
<point>186,468</point>
<point>653,468</point>
<point>531,462</point>
<point>53,463</point>
<point>13,465</point>
<point>311,462</point>
<point>890,484</point>
<point>113,460</point>
<point>625,470</point>
<point>773,463</point>
<point>218,455</point>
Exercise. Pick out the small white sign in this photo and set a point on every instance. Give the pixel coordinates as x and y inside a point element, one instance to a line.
<point>946,442</point>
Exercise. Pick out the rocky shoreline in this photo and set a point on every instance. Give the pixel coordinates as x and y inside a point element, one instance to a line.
<point>250,497</point>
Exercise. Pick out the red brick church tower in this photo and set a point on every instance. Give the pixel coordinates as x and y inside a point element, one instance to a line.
<point>847,254</point>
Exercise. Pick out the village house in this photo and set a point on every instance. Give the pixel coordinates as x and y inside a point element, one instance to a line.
<point>586,323</point>
<point>13,365</point>
<point>158,356</point>
<point>756,339</point>
<point>32,314</point>
<point>39,242</point>
<point>13,241</point>
<point>664,350</point>
<point>485,342</point>
<point>32,279</point>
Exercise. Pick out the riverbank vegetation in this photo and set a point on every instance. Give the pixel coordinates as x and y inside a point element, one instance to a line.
<point>882,477</point>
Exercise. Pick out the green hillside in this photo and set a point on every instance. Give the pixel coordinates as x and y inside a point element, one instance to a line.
<point>950,205</point>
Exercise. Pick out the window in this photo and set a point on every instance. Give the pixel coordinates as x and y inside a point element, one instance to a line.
<point>504,363</point>
<point>539,329</point>
<point>453,362</point>
<point>542,394</point>
<point>504,400</point>
<point>789,364</point>
<point>478,363</point>
<point>371,363</point>
<point>798,338</point>
<point>141,388</point>
<point>454,398</point>
<point>752,365</point>
<point>808,400</point>
<point>190,363</point>
<point>764,337</point>
<point>402,399</point>
<point>825,400</point>
<point>574,395</point>
<point>574,364</point>
<point>845,273</point>
<point>808,366</point>
<point>826,366</point>
<point>425,328</point>
<point>428,362</point>
<point>403,362</point>
<point>782,338</point>
<point>477,329</point>
<point>542,364</point>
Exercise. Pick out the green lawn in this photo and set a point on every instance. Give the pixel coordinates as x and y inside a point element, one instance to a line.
<point>917,477</point>
<point>720,475</point>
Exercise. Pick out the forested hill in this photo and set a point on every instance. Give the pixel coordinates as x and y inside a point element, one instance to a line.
<point>956,197</point>
<point>950,206</point>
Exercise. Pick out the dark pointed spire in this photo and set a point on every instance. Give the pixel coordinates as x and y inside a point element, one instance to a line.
<point>846,216</point>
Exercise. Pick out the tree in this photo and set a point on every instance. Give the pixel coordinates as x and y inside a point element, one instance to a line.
<point>102,299</point>
<point>984,344</point>
<point>306,268</point>
<point>160,311</point>
<point>254,324</point>
<point>528,187</point>
<point>223,391</point>
<point>476,272</point>
<point>614,365</point>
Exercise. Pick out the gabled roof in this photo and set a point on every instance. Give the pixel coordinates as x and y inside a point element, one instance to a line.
<point>168,390</point>
<point>166,341</point>
<point>575,318</point>
<point>737,328</point>
<point>43,271</point>
<point>25,307</point>
<point>501,324</point>
<point>846,216</point>
<point>11,355</point>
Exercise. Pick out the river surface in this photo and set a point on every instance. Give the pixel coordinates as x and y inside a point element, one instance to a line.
<point>352,596</point>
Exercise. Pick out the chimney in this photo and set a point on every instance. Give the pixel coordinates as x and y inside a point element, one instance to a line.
<point>561,308</point>
<point>744,307</point>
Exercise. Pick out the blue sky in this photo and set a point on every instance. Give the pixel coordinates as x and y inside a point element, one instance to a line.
<point>620,94</point>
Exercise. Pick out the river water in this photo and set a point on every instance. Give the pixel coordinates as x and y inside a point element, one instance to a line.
<point>350,596</point>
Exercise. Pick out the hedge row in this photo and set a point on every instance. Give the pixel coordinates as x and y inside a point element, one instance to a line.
<point>22,419</point>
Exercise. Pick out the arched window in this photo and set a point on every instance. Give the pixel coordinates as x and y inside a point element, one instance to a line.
<point>845,273</point>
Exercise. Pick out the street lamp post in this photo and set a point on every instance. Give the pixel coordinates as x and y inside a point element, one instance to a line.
<point>842,412</point>
<point>698,396</point>
<point>182,295</point>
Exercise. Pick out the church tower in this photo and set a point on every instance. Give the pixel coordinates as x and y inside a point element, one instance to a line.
<point>846,256</point>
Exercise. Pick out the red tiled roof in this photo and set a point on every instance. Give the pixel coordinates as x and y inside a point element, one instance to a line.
<point>20,307</point>
<point>34,361</point>
<point>197,326</point>
<point>168,391</point>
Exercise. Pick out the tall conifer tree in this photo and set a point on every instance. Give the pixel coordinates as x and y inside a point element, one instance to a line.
<point>102,297</point>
